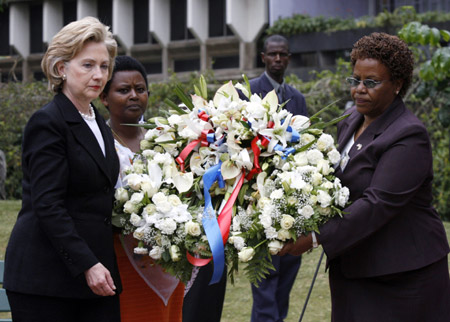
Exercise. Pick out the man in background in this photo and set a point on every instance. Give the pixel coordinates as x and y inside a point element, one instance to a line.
<point>271,298</point>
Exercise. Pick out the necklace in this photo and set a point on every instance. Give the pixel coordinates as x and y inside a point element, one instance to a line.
<point>90,116</point>
<point>121,141</point>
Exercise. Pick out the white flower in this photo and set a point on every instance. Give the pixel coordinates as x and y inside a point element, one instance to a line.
<point>300,159</point>
<point>307,211</point>
<point>174,252</point>
<point>121,194</point>
<point>183,181</point>
<point>306,138</point>
<point>242,88</point>
<point>334,156</point>
<point>156,252</point>
<point>159,198</point>
<point>323,198</point>
<point>167,226</point>
<point>135,220</point>
<point>150,209</point>
<point>192,228</point>
<point>325,142</point>
<point>300,122</point>
<point>130,207</point>
<point>314,156</point>
<point>134,181</point>
<point>342,197</point>
<point>175,119</point>
<point>274,247</point>
<point>229,170</point>
<point>226,91</point>
<point>138,167</point>
<point>286,221</point>
<point>316,178</point>
<point>324,167</point>
<point>246,254</point>
<point>139,233</point>
<point>174,200</point>
<point>265,220</point>
<point>277,194</point>
<point>271,233</point>
<point>140,250</point>
<point>136,197</point>
<point>283,234</point>
<point>238,242</point>
<point>148,188</point>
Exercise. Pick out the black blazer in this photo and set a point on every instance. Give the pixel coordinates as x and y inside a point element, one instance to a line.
<point>390,226</point>
<point>296,104</point>
<point>64,226</point>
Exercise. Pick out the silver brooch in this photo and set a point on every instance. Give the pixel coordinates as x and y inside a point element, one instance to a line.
<point>358,146</point>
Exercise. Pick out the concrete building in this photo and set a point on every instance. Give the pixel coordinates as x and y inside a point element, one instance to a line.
<point>169,35</point>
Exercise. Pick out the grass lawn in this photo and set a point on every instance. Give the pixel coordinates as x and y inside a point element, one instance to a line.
<point>238,298</point>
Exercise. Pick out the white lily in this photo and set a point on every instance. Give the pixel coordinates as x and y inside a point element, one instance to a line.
<point>183,181</point>
<point>300,122</point>
<point>278,132</point>
<point>229,170</point>
<point>271,101</point>
<point>226,91</point>
<point>260,183</point>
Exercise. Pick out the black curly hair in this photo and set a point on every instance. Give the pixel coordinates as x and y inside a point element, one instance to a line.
<point>391,51</point>
<point>126,63</point>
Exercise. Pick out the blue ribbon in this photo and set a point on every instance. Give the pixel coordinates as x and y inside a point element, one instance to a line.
<point>210,223</point>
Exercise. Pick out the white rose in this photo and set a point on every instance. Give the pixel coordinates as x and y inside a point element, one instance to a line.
<point>334,156</point>
<point>138,166</point>
<point>156,252</point>
<point>277,194</point>
<point>174,200</point>
<point>307,211</point>
<point>136,197</point>
<point>164,207</point>
<point>150,209</point>
<point>139,234</point>
<point>312,200</point>
<point>325,142</point>
<point>324,167</point>
<point>121,194</point>
<point>149,188</point>
<point>300,159</point>
<point>324,211</point>
<point>323,198</point>
<point>148,154</point>
<point>174,252</point>
<point>129,207</point>
<point>275,246</point>
<point>246,254</point>
<point>283,234</point>
<point>167,226</point>
<point>175,119</point>
<point>314,156</point>
<point>316,178</point>
<point>159,198</point>
<point>327,185</point>
<point>263,202</point>
<point>292,201</point>
<point>135,220</point>
<point>144,145</point>
<point>134,181</point>
<point>287,221</point>
<point>306,138</point>
<point>307,189</point>
<point>192,228</point>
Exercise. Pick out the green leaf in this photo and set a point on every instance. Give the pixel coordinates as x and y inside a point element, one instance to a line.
<point>445,35</point>
<point>174,106</point>
<point>203,87</point>
<point>183,97</point>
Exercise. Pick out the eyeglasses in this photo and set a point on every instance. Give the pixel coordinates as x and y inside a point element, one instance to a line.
<point>368,83</point>
<point>274,54</point>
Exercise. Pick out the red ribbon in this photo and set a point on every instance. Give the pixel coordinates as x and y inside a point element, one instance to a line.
<point>202,115</point>
<point>224,221</point>
<point>203,140</point>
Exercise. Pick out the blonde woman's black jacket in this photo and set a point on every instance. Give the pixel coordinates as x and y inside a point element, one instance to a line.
<point>64,226</point>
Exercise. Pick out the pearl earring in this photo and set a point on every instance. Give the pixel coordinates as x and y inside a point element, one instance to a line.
<point>64,77</point>
<point>396,92</point>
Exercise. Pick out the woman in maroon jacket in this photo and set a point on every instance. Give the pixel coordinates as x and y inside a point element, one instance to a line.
<point>388,255</point>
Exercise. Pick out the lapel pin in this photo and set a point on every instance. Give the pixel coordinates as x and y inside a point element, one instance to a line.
<point>358,146</point>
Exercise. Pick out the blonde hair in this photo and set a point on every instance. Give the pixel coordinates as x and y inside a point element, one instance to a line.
<point>69,41</point>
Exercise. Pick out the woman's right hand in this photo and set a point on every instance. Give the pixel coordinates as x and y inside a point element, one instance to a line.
<point>100,281</point>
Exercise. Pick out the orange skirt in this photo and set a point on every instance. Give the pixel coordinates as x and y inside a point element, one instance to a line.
<point>138,302</point>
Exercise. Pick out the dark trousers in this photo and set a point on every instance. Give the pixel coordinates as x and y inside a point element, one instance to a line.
<point>37,308</point>
<point>421,295</point>
<point>271,297</point>
<point>204,302</point>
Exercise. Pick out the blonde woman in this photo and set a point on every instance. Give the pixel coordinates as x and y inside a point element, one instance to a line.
<point>60,263</point>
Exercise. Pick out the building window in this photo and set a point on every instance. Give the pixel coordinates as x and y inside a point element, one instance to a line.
<point>225,62</point>
<point>217,19</point>
<point>140,21</point>
<point>419,5</point>
<point>69,11</point>
<point>4,31</point>
<point>36,45</point>
<point>104,12</point>
<point>186,65</point>
<point>178,21</point>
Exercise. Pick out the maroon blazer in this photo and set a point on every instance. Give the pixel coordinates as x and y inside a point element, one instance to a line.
<point>390,226</point>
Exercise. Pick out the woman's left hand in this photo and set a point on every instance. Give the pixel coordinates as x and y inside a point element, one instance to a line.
<point>302,245</point>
